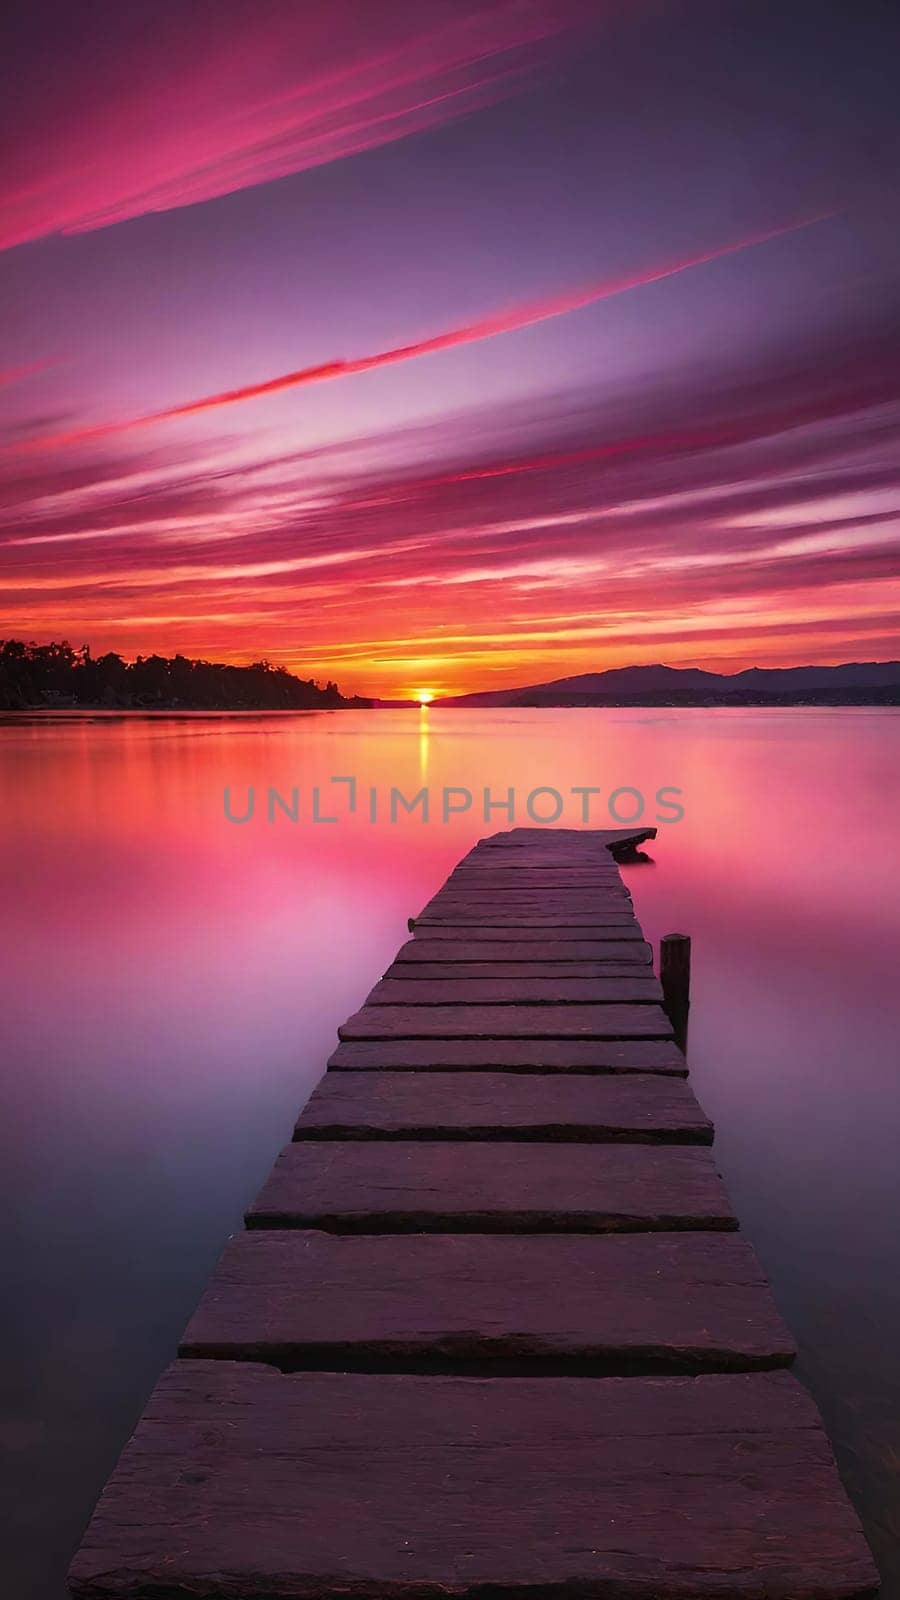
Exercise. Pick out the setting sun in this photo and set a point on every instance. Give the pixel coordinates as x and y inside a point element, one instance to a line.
<point>424,696</point>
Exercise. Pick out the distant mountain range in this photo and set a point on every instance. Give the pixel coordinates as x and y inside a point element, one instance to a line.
<point>854,683</point>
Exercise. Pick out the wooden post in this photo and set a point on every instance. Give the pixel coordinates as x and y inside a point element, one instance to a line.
<point>675,977</point>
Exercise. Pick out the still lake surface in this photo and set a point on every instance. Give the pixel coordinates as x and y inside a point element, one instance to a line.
<point>171,983</point>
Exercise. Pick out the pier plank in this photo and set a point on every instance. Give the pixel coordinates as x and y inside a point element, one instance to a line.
<point>408,1186</point>
<point>535,883</point>
<point>542,866</point>
<point>493,1105</point>
<point>510,1055</point>
<point>625,927</point>
<point>242,1483</point>
<point>556,900</point>
<point>541,905</point>
<point>508,1022</point>
<point>618,932</point>
<point>513,880</point>
<point>450,990</point>
<point>504,906</point>
<point>588,838</point>
<point>622,931</point>
<point>447,969</point>
<point>599,953</point>
<point>498,853</point>
<point>538,872</point>
<point>539,860</point>
<point>665,1302</point>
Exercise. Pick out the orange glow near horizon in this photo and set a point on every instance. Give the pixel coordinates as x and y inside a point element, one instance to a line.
<point>376,670</point>
<point>511,638</point>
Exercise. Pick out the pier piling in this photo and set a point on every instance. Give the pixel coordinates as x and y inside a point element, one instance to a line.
<point>675,978</point>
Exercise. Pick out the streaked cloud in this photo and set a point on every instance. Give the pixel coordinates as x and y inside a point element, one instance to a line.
<point>148,119</point>
<point>511,320</point>
<point>598,546</point>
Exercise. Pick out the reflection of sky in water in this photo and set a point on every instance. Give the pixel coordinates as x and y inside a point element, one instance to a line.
<point>172,986</point>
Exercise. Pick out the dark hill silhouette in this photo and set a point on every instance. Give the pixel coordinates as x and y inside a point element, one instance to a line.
<point>853,683</point>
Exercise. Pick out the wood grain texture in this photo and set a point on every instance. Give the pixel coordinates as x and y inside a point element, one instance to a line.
<point>599,953</point>
<point>564,861</point>
<point>608,839</point>
<point>529,885</point>
<point>243,1483</point>
<point>536,868</point>
<point>572,874</point>
<point>444,969</point>
<point>566,865</point>
<point>499,1105</point>
<point>510,1055</point>
<point>497,916</point>
<point>676,1302</point>
<point>420,1186</point>
<point>557,899</point>
<point>507,1022</point>
<point>617,932</point>
<point>453,990</point>
<point>512,906</point>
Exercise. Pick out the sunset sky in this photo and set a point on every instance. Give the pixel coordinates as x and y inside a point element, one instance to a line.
<point>452,344</point>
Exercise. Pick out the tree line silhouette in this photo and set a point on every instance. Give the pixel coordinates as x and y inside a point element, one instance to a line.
<point>41,675</point>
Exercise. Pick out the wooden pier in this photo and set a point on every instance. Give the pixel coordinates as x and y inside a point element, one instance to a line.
<point>490,1330</point>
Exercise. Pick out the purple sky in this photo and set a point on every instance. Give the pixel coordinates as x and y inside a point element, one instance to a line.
<point>696,465</point>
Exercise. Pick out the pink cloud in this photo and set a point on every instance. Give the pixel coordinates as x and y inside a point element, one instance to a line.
<point>209,103</point>
<point>524,315</point>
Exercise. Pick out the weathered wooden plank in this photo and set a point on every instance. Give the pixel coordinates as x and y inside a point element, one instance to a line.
<point>510,1055</point>
<point>516,880</point>
<point>550,880</point>
<point>570,872</point>
<point>536,862</point>
<point>598,952</point>
<point>508,906</point>
<point>511,906</point>
<point>620,931</point>
<point>578,900</point>
<point>567,869</point>
<point>452,991</point>
<point>243,1483</point>
<point>424,1186</point>
<point>412,971</point>
<point>501,918</point>
<point>603,901</point>
<point>602,864</point>
<point>508,1022</point>
<point>663,1302</point>
<point>499,1105</point>
<point>557,838</point>
<point>477,885</point>
<point>537,858</point>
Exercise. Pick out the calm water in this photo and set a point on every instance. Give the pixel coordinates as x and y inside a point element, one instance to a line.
<point>171,984</point>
